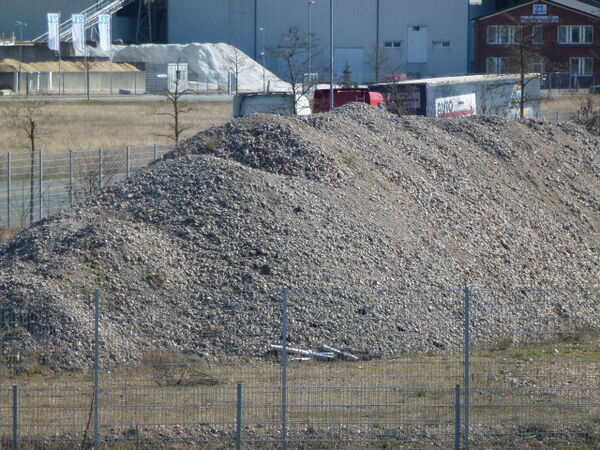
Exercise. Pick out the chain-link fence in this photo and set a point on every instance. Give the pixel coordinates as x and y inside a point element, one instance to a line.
<point>34,185</point>
<point>433,368</point>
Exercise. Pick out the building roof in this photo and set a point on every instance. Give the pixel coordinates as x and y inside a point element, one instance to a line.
<point>456,80</point>
<point>13,65</point>
<point>589,7</point>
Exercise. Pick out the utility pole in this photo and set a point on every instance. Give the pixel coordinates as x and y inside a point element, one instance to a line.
<point>20,24</point>
<point>310,4</point>
<point>263,54</point>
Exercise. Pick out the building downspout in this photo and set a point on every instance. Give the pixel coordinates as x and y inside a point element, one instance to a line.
<point>255,29</point>
<point>377,40</point>
<point>470,36</point>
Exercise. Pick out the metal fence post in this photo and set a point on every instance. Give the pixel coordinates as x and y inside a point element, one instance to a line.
<point>8,189</point>
<point>97,372</point>
<point>128,161</point>
<point>284,370</point>
<point>467,294</point>
<point>41,184</point>
<point>101,167</point>
<point>239,422</point>
<point>457,417</point>
<point>155,152</point>
<point>15,414</point>
<point>71,187</point>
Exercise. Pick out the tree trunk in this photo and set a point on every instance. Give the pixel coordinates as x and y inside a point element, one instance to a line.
<point>522,97</point>
<point>32,174</point>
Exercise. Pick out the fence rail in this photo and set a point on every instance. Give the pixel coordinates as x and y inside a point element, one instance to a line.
<point>37,185</point>
<point>539,390</point>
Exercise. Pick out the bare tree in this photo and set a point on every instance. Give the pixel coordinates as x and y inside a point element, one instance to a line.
<point>294,50</point>
<point>397,96</point>
<point>588,115</point>
<point>525,56</point>
<point>88,65</point>
<point>28,120</point>
<point>237,63</point>
<point>379,62</point>
<point>177,109</point>
<point>94,172</point>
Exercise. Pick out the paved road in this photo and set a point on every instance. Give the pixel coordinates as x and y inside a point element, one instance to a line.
<point>118,98</point>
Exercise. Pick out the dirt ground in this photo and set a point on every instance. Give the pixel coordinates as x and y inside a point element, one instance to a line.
<point>86,125</point>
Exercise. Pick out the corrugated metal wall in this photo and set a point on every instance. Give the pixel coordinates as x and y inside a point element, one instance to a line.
<point>239,21</point>
<point>198,21</point>
<point>355,27</point>
<point>33,12</point>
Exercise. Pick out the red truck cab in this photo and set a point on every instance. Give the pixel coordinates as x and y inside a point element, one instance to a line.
<point>342,96</point>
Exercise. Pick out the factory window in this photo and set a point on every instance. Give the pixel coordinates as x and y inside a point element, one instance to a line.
<point>581,66</point>
<point>496,64</point>
<point>441,44</point>
<point>538,67</point>
<point>503,34</point>
<point>537,34</point>
<point>392,44</point>
<point>575,34</point>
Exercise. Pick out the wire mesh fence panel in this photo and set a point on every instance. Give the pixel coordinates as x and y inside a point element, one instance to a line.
<point>58,415</point>
<point>37,185</point>
<point>522,382</point>
<point>536,381</point>
<point>177,413</point>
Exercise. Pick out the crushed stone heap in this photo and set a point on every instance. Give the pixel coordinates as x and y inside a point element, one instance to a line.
<point>353,210</point>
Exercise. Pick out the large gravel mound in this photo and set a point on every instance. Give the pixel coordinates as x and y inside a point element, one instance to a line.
<point>352,209</point>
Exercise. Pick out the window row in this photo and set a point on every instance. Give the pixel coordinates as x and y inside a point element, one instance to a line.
<point>582,66</point>
<point>434,44</point>
<point>567,34</point>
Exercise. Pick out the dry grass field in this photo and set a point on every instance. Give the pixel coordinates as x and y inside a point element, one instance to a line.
<point>564,103</point>
<point>88,125</point>
<point>518,391</point>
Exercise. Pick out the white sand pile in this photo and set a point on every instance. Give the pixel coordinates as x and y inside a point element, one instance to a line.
<point>208,63</point>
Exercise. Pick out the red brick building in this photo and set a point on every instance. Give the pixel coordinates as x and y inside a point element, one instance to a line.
<point>547,36</point>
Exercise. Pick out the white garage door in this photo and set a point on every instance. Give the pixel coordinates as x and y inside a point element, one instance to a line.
<point>354,58</point>
<point>416,51</point>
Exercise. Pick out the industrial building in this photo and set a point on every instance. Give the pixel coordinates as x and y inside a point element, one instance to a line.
<point>560,37</point>
<point>425,38</point>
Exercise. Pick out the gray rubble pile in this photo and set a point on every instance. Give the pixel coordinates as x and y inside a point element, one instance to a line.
<point>374,222</point>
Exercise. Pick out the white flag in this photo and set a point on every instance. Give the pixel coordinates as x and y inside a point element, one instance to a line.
<point>104,31</point>
<point>53,31</point>
<point>78,31</point>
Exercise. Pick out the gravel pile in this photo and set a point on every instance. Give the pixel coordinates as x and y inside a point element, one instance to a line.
<point>373,220</point>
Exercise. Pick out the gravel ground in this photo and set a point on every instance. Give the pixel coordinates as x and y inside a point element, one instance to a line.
<point>355,210</point>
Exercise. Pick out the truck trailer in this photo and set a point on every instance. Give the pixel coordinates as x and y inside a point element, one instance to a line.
<point>341,96</point>
<point>283,103</point>
<point>463,95</point>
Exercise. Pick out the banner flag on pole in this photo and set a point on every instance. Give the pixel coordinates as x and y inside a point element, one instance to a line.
<point>53,31</point>
<point>78,31</point>
<point>104,31</point>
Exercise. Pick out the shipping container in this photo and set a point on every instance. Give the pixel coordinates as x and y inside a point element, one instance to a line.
<point>465,95</point>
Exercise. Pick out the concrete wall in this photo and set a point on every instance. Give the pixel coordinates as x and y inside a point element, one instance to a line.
<point>37,52</point>
<point>74,82</point>
<point>358,26</point>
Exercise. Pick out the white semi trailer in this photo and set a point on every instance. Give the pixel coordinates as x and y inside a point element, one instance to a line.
<point>463,95</point>
<point>283,103</point>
